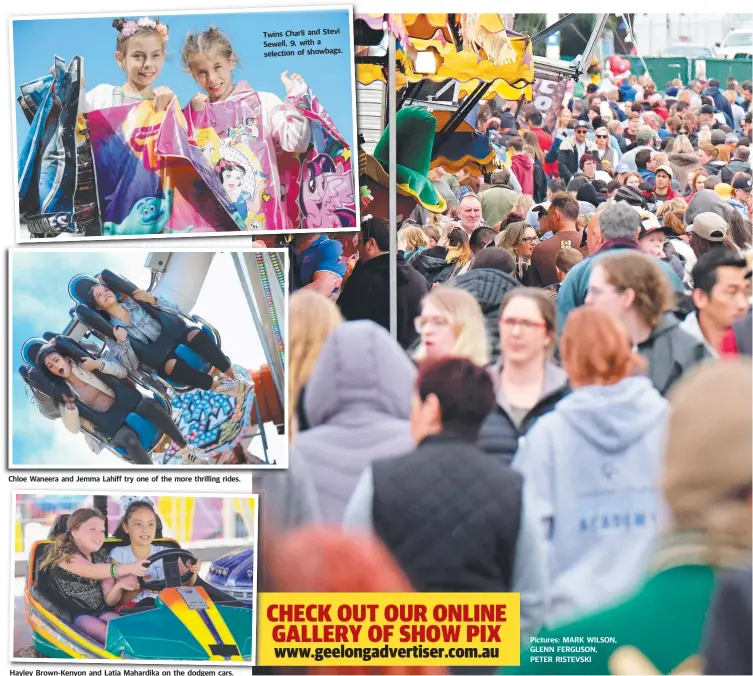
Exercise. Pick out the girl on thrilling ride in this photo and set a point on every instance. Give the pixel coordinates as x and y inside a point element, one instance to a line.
<point>139,525</point>
<point>132,322</point>
<point>70,385</point>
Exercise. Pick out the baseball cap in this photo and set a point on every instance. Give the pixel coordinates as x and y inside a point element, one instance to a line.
<point>649,224</point>
<point>743,182</point>
<point>718,137</point>
<point>710,226</point>
<point>706,109</point>
<point>582,123</point>
<point>621,168</point>
<point>666,169</point>
<point>535,213</point>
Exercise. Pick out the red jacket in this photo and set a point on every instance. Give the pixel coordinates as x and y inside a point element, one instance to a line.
<point>522,167</point>
<point>545,143</point>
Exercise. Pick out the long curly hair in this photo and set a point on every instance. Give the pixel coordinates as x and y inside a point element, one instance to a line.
<point>50,383</point>
<point>64,546</point>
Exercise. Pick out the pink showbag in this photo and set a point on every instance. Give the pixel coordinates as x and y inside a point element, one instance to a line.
<point>237,147</point>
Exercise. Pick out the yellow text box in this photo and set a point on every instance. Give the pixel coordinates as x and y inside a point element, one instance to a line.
<point>389,629</point>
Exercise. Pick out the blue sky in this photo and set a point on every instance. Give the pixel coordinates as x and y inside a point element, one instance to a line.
<point>40,303</point>
<point>36,42</point>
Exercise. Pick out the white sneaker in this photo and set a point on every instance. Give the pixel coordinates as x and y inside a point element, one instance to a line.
<point>193,456</point>
<point>232,388</point>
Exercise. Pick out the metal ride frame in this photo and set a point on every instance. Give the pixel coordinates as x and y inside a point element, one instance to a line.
<point>262,276</point>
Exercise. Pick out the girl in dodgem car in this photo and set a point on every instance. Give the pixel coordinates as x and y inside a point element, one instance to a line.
<point>81,579</point>
<point>139,525</point>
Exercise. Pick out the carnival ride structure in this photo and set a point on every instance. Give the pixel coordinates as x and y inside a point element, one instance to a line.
<point>178,277</point>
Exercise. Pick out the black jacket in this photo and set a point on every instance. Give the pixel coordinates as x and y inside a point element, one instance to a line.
<point>488,287</point>
<point>499,436</point>
<point>366,295</point>
<point>450,515</point>
<point>732,168</point>
<point>670,351</point>
<point>432,264</point>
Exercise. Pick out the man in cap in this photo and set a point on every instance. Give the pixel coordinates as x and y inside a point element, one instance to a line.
<point>621,171</point>
<point>572,149</point>
<point>742,199</point>
<point>662,188</point>
<point>719,101</point>
<point>644,139</point>
<point>720,286</point>
<point>707,116</point>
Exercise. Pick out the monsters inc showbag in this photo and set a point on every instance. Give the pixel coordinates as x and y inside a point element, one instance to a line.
<point>151,178</point>
<point>238,148</point>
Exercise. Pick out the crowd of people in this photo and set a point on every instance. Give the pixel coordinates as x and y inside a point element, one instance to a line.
<point>566,411</point>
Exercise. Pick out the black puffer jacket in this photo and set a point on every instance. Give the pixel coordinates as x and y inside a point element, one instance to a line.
<point>432,264</point>
<point>488,287</point>
<point>499,436</point>
<point>670,351</point>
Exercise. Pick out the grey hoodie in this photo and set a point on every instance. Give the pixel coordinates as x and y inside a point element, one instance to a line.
<point>593,465</point>
<point>357,402</point>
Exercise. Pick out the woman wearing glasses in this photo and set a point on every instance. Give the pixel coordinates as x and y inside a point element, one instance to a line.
<point>520,239</point>
<point>528,383</point>
<point>604,151</point>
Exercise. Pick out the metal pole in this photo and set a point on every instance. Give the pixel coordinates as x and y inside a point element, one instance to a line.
<point>392,103</point>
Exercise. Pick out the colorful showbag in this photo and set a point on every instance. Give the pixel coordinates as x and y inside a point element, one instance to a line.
<point>151,177</point>
<point>319,185</point>
<point>237,147</point>
<point>47,160</point>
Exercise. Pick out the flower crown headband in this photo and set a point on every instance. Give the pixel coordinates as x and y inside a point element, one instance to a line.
<point>132,27</point>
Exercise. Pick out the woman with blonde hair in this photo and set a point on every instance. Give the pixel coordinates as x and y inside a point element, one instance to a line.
<point>312,319</point>
<point>710,157</point>
<point>520,239</point>
<point>411,240</point>
<point>605,438</point>
<point>451,324</point>
<point>683,159</point>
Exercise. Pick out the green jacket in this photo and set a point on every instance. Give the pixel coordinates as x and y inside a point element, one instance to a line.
<point>664,620</point>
